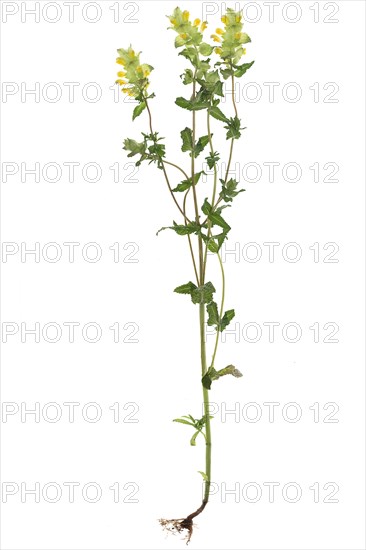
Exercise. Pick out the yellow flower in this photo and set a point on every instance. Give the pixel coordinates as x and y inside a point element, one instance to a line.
<point>144,71</point>
<point>238,18</point>
<point>173,21</point>
<point>219,31</point>
<point>121,82</point>
<point>196,22</point>
<point>128,91</point>
<point>185,15</point>
<point>224,19</point>
<point>120,61</point>
<point>203,26</point>
<point>131,53</point>
<point>244,51</point>
<point>184,35</point>
<point>121,74</point>
<point>237,35</point>
<point>218,51</point>
<point>215,38</point>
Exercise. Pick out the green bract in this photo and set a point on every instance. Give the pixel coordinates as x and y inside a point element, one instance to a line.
<point>202,222</point>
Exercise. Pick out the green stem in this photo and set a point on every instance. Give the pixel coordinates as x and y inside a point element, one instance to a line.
<point>190,241</point>
<point>221,308</point>
<point>206,400</point>
<point>215,204</point>
<point>214,189</point>
<point>206,404</point>
<point>236,114</point>
<point>197,217</point>
<point>176,166</point>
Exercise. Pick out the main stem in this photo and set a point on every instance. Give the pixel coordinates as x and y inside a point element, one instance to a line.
<point>203,261</point>
<point>206,401</point>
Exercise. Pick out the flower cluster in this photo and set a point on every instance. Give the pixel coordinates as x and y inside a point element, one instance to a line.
<point>189,33</point>
<point>231,38</point>
<point>134,77</point>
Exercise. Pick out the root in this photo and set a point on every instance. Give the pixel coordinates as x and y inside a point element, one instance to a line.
<point>183,525</point>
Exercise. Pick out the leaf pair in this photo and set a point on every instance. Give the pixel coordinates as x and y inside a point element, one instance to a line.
<point>197,424</point>
<point>214,317</point>
<point>188,145</point>
<point>229,190</point>
<point>199,294</point>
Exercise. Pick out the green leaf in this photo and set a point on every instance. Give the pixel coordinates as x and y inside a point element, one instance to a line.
<point>205,49</point>
<point>226,73</point>
<point>218,114</point>
<point>184,103</point>
<point>186,229</point>
<point>212,246</point>
<point>187,76</point>
<point>183,229</point>
<point>221,238</point>
<point>188,288</point>
<point>228,191</point>
<point>186,184</point>
<point>191,54</point>
<point>206,207</point>
<point>194,437</point>
<point>138,110</point>
<point>187,139</point>
<point>213,314</point>
<point>157,150</point>
<point>182,421</point>
<point>203,294</point>
<point>196,105</point>
<point>201,144</point>
<point>217,219</point>
<point>225,321</point>
<point>205,477</point>
<point>212,159</point>
<point>233,128</point>
<point>199,295</point>
<point>208,378</point>
<point>242,69</point>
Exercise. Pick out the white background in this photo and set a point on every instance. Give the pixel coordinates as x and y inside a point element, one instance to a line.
<point>160,373</point>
